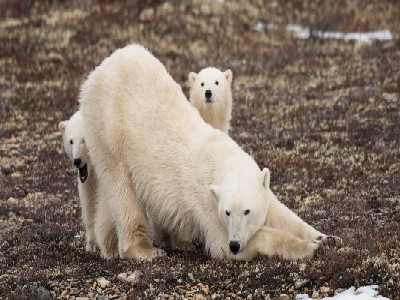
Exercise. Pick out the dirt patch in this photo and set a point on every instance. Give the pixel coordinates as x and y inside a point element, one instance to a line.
<point>322,114</point>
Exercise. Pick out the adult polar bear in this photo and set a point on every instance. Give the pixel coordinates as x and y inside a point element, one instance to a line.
<point>154,153</point>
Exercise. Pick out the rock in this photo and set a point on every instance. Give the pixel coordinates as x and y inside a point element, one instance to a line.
<point>325,290</point>
<point>131,278</point>
<point>205,289</point>
<point>16,175</point>
<point>315,295</point>
<point>103,282</point>
<point>81,298</point>
<point>74,291</point>
<point>300,283</point>
<point>6,169</point>
<point>284,297</point>
<point>198,297</point>
<point>12,201</point>
<point>100,297</point>
<point>38,292</point>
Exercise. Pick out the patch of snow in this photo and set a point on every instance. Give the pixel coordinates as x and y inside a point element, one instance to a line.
<point>361,37</point>
<point>362,293</point>
<point>260,26</point>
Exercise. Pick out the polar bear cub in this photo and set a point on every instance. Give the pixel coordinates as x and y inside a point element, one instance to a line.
<point>210,93</point>
<point>73,132</point>
<point>159,159</point>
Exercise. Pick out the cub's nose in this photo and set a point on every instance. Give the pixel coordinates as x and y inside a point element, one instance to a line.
<point>208,94</point>
<point>234,246</point>
<point>77,162</point>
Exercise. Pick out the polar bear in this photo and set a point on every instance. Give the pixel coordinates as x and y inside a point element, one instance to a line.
<point>210,92</point>
<point>158,157</point>
<point>73,134</point>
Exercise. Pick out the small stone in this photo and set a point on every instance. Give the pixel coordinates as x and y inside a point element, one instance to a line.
<point>6,169</point>
<point>12,201</point>
<point>103,282</point>
<point>284,297</point>
<point>131,278</point>
<point>39,292</point>
<point>74,291</point>
<point>300,283</point>
<point>16,175</point>
<point>325,289</point>
<point>198,297</point>
<point>81,298</point>
<point>205,289</point>
<point>315,295</point>
<point>100,297</point>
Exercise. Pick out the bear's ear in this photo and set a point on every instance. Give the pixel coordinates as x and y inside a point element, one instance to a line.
<point>228,76</point>
<point>215,191</point>
<point>62,125</point>
<point>265,178</point>
<point>192,78</point>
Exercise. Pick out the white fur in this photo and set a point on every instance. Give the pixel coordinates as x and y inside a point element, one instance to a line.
<point>73,133</point>
<point>154,153</point>
<point>217,109</point>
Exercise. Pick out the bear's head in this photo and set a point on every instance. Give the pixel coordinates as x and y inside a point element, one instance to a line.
<point>72,132</point>
<point>242,207</point>
<point>210,86</point>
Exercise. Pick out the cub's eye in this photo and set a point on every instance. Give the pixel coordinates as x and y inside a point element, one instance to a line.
<point>227,213</point>
<point>71,142</point>
<point>202,84</point>
<point>246,212</point>
<point>83,141</point>
<point>216,82</point>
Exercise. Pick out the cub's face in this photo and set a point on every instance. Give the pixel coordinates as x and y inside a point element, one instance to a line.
<point>242,209</point>
<point>74,144</point>
<point>209,86</point>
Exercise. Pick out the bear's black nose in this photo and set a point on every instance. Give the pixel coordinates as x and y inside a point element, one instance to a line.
<point>77,162</point>
<point>234,246</point>
<point>208,94</point>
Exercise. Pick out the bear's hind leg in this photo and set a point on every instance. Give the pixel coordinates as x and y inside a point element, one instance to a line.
<point>130,219</point>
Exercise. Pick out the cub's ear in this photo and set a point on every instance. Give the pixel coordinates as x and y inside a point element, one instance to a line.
<point>62,125</point>
<point>215,191</point>
<point>265,178</point>
<point>228,76</point>
<point>192,78</point>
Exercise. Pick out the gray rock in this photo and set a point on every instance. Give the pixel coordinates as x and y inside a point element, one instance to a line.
<point>38,292</point>
<point>7,169</point>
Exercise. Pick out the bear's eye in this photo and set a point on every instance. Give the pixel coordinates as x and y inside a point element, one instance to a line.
<point>246,212</point>
<point>227,213</point>
<point>216,82</point>
<point>71,142</point>
<point>202,84</point>
<point>83,141</point>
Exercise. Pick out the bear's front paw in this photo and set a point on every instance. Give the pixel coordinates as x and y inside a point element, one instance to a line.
<point>317,242</point>
<point>91,247</point>
<point>144,254</point>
